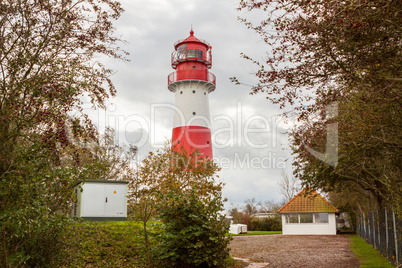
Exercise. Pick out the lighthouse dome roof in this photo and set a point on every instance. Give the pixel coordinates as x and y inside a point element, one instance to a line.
<point>191,39</point>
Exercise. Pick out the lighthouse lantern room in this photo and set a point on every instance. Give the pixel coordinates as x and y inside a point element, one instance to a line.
<point>192,82</point>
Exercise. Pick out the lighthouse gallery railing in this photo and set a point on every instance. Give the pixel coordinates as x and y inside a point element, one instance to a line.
<point>173,78</point>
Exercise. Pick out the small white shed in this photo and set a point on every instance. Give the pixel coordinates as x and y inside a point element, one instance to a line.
<point>101,200</point>
<point>308,213</point>
<point>238,229</point>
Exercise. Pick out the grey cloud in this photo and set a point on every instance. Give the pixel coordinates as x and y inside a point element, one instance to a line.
<point>151,28</point>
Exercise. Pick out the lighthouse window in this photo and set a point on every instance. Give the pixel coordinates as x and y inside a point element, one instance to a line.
<point>181,51</point>
<point>194,53</point>
<point>193,67</point>
<point>205,93</point>
<point>207,142</point>
<point>193,113</point>
<point>181,92</point>
<point>194,91</point>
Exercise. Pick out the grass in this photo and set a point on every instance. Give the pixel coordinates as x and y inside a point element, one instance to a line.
<point>114,244</point>
<point>368,256</point>
<point>257,233</point>
<point>120,244</point>
<point>105,244</point>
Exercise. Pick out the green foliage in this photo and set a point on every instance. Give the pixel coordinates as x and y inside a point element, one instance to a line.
<point>32,210</point>
<point>325,47</point>
<point>193,231</point>
<point>181,190</point>
<point>40,232</point>
<point>47,63</point>
<point>265,224</point>
<point>107,244</point>
<point>101,244</point>
<point>368,255</point>
<point>348,53</point>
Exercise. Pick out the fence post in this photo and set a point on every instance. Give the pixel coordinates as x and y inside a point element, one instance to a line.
<point>396,239</point>
<point>370,232</point>
<point>386,232</point>
<point>364,226</point>
<point>378,229</point>
<point>358,225</point>
<point>374,241</point>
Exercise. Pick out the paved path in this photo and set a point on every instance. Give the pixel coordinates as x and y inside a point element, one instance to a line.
<point>294,251</point>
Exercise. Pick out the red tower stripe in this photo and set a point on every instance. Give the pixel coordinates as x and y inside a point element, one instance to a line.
<point>193,138</point>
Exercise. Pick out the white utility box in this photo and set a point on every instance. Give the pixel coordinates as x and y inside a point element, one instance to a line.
<point>238,229</point>
<point>100,200</point>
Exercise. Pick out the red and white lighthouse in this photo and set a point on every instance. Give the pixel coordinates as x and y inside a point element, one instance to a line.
<point>192,83</point>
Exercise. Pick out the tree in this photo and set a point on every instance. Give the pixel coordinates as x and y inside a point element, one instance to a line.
<point>48,61</point>
<point>367,150</point>
<point>112,160</point>
<point>348,52</point>
<point>194,233</point>
<point>237,216</point>
<point>354,201</point>
<point>271,206</point>
<point>182,191</point>
<point>144,187</point>
<point>327,48</point>
<point>288,187</point>
<point>269,222</point>
<point>251,206</point>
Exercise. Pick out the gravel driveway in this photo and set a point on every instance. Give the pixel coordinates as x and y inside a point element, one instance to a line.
<point>295,251</point>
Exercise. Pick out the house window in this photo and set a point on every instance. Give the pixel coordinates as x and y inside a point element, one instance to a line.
<point>292,218</point>
<point>306,218</point>
<point>321,217</point>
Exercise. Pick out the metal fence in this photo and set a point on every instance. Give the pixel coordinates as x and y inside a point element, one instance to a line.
<point>383,230</point>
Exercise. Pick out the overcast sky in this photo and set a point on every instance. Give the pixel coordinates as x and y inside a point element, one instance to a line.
<point>247,130</point>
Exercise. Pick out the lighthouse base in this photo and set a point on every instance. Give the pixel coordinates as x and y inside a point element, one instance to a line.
<point>192,138</point>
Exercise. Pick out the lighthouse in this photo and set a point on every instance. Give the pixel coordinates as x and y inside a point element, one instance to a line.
<point>191,83</point>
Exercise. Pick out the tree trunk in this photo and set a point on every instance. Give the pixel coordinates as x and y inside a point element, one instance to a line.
<point>146,243</point>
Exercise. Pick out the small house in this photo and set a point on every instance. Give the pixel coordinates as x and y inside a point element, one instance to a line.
<point>308,213</point>
<point>264,215</point>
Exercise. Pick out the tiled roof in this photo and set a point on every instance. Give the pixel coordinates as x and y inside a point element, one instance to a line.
<point>307,201</point>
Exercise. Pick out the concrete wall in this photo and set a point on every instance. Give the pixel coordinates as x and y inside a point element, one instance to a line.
<point>310,228</point>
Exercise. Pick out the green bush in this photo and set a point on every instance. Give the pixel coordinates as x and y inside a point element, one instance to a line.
<point>32,214</point>
<point>193,232</point>
<point>265,224</point>
<point>31,237</point>
<point>103,244</point>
